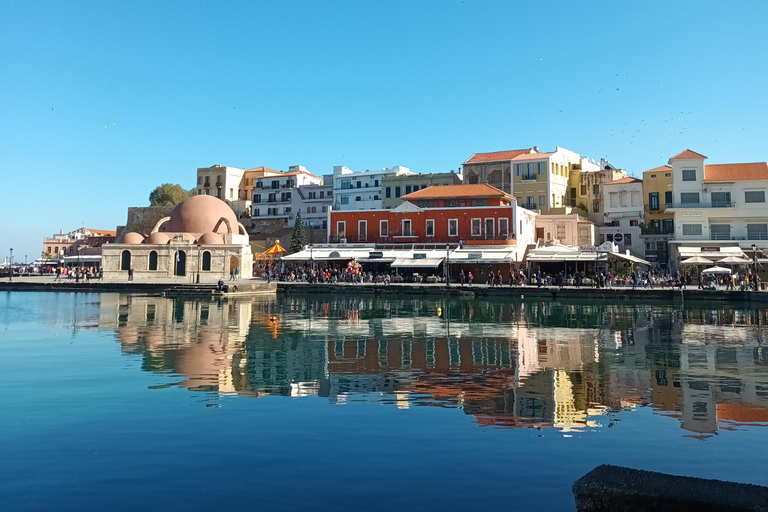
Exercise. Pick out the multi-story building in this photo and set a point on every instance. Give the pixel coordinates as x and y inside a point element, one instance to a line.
<point>314,201</point>
<point>716,207</point>
<point>623,214</point>
<point>494,169</point>
<point>566,229</point>
<point>587,180</point>
<point>397,185</point>
<point>360,190</point>
<point>273,194</point>
<point>659,223</point>
<point>83,240</point>
<point>231,184</point>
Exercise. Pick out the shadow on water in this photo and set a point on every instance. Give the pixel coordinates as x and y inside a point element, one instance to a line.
<point>508,364</point>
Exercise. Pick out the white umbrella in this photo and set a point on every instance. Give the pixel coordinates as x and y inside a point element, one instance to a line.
<point>697,260</point>
<point>733,260</point>
<point>716,270</point>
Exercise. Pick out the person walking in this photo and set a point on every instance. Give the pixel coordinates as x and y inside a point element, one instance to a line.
<point>462,277</point>
<point>130,274</point>
<point>58,274</point>
<point>634,281</point>
<point>470,277</point>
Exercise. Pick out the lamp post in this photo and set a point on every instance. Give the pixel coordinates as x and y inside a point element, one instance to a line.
<point>447,266</point>
<point>311,259</point>
<point>754,265</point>
<point>10,267</point>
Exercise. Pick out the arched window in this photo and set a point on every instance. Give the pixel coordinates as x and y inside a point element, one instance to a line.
<point>153,260</point>
<point>207,260</point>
<point>125,260</point>
<point>55,250</point>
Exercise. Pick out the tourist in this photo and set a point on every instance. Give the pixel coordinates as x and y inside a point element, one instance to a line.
<point>130,274</point>
<point>538,278</point>
<point>58,274</point>
<point>634,281</point>
<point>462,277</point>
<point>470,277</point>
<point>220,285</point>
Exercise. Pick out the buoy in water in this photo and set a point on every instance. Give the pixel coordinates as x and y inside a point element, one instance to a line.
<point>522,296</point>
<point>273,319</point>
<point>439,311</point>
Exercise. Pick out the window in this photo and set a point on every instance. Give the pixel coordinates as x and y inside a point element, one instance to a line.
<point>653,201</point>
<point>359,184</point>
<point>653,175</point>
<point>375,183</point>
<point>322,194</point>
<point>720,231</point>
<point>689,197</point>
<point>358,198</point>
<point>504,227</point>
<point>231,193</point>
<point>596,206</point>
<point>609,237</point>
<point>560,230</point>
<point>757,231</point>
<point>275,183</point>
<point>426,203</point>
<point>199,180</point>
<point>519,168</point>
<point>473,179</point>
<point>344,199</point>
<point>341,229</point>
<point>691,229</point>
<point>583,190</point>
<point>207,260</point>
<point>430,228</point>
<point>627,239</point>
<point>453,227</point>
<point>689,174</point>
<point>529,203</point>
<point>668,174</point>
<point>720,199</point>
<point>668,198</point>
<point>397,191</point>
<point>596,190</point>
<point>754,196</point>
<point>530,169</point>
<point>152,260</point>
<point>479,202</point>
<point>346,184</point>
<point>633,223</point>
<point>668,226</point>
<point>325,208</point>
<point>383,228</point>
<point>362,230</point>
<point>312,195</point>
<point>541,167</point>
<point>407,228</point>
<point>407,189</point>
<point>388,192</point>
<point>542,202</point>
<point>125,260</point>
<point>477,227</point>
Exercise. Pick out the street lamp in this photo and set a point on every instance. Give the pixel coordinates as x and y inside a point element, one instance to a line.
<point>311,260</point>
<point>447,268</point>
<point>10,267</point>
<point>754,265</point>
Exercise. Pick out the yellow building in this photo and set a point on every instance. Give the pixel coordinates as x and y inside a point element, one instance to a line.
<point>657,195</point>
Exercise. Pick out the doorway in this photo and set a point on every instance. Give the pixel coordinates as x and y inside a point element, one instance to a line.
<point>181,263</point>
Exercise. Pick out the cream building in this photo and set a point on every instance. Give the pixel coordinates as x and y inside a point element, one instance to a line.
<point>623,214</point>
<point>200,241</point>
<point>573,230</point>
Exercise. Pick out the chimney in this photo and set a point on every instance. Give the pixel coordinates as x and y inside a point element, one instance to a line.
<point>535,149</point>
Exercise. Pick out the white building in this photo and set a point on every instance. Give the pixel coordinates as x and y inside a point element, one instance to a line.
<point>314,201</point>
<point>360,190</point>
<point>273,195</point>
<point>717,206</point>
<point>623,213</point>
<point>219,181</point>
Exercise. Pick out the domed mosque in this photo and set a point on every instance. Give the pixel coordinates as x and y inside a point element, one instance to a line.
<point>201,240</point>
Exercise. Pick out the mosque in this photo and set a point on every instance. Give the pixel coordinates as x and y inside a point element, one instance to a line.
<point>200,241</point>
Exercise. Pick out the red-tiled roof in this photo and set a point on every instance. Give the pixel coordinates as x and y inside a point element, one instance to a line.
<point>533,156</point>
<point>294,173</point>
<point>497,156</point>
<point>687,155</point>
<point>101,232</point>
<point>262,168</point>
<point>736,172</point>
<point>622,181</point>
<point>663,168</point>
<point>442,191</point>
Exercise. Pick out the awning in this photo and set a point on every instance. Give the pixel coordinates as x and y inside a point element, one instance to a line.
<point>482,256</point>
<point>627,257</point>
<point>705,251</point>
<point>417,262</point>
<point>340,254</point>
<point>91,258</point>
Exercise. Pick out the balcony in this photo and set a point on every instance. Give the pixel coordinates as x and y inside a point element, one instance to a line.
<point>702,204</point>
<point>718,237</point>
<point>528,177</point>
<point>529,206</point>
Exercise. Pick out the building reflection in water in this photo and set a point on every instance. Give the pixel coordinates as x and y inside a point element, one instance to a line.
<point>508,364</point>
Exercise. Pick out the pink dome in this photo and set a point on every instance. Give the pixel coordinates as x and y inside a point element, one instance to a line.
<point>158,239</point>
<point>210,239</point>
<point>133,238</point>
<point>201,214</point>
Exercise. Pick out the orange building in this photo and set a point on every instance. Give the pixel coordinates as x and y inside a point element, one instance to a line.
<point>450,214</point>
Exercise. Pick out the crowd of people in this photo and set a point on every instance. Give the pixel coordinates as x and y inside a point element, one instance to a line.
<point>78,274</point>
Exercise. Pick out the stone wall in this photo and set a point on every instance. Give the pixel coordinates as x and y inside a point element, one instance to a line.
<point>142,219</point>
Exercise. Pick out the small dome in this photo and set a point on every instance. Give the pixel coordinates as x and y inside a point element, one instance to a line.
<point>133,238</point>
<point>201,214</point>
<point>210,239</point>
<point>157,239</point>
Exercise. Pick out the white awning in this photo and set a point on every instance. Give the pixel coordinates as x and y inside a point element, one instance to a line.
<point>90,258</point>
<point>705,251</point>
<point>418,262</point>
<point>482,256</point>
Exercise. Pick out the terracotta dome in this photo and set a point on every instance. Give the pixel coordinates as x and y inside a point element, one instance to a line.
<point>210,239</point>
<point>157,239</point>
<point>201,214</point>
<point>133,238</point>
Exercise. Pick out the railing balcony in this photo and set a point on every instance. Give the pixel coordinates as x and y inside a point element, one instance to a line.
<point>502,236</point>
<point>703,204</point>
<point>529,177</point>
<point>529,206</point>
<point>720,237</point>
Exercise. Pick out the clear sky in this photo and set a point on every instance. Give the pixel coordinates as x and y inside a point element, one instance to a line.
<point>102,101</point>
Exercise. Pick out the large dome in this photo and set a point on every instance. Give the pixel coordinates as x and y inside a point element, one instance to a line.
<point>201,214</point>
<point>133,238</point>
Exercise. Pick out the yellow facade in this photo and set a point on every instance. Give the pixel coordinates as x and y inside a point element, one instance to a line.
<point>657,181</point>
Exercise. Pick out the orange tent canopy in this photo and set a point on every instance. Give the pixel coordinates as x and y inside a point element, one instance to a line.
<point>275,249</point>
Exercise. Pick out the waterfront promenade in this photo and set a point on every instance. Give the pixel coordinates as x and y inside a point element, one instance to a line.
<point>260,286</point>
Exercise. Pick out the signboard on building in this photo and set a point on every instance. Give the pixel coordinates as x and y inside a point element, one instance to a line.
<point>587,248</point>
<point>375,254</point>
<point>419,256</point>
<point>474,255</point>
<point>710,249</point>
<point>618,237</point>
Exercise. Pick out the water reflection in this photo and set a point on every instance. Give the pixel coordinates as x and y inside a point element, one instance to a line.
<point>507,364</point>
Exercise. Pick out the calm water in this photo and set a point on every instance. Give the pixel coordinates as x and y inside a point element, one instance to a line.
<point>115,402</point>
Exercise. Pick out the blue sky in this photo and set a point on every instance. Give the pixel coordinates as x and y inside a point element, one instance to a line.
<point>102,101</point>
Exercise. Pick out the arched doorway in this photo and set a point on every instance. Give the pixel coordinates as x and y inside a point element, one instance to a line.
<point>181,263</point>
<point>234,262</point>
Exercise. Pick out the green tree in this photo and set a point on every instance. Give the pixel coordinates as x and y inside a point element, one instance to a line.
<point>168,194</point>
<point>299,237</point>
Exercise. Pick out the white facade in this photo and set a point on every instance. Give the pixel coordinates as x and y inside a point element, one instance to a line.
<point>220,181</point>
<point>314,202</point>
<point>273,195</point>
<point>360,190</point>
<point>719,205</point>
<point>623,212</point>
<point>524,229</point>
